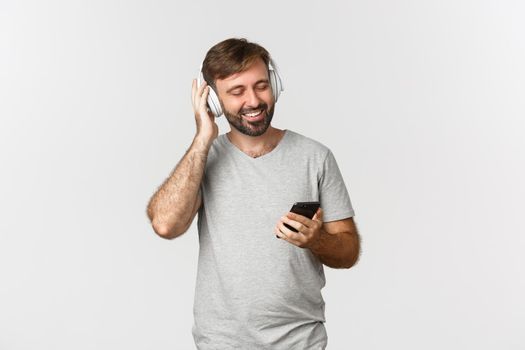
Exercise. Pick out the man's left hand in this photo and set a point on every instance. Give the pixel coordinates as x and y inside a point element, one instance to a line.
<point>309,229</point>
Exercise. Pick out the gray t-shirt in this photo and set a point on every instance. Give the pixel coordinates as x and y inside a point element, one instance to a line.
<point>254,291</point>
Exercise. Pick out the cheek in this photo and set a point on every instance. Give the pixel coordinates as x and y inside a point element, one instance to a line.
<point>269,100</point>
<point>267,96</point>
<point>232,106</point>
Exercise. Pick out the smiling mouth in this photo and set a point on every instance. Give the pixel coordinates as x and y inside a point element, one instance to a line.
<point>256,115</point>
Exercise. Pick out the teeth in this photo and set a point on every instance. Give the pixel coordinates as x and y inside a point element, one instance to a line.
<point>252,114</point>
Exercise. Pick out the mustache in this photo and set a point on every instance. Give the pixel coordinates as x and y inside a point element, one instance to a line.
<point>261,106</point>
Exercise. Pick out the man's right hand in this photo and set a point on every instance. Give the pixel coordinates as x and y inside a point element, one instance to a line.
<point>207,129</point>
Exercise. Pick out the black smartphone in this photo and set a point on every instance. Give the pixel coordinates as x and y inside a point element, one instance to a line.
<point>307,209</point>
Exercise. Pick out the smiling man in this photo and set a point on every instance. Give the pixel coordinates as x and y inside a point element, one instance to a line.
<point>255,291</point>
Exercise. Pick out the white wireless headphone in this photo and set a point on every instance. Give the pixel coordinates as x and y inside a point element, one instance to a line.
<point>213,100</point>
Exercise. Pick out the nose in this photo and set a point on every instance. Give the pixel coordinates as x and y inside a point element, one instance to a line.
<point>252,99</point>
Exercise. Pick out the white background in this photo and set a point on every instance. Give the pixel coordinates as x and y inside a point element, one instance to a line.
<point>421,102</point>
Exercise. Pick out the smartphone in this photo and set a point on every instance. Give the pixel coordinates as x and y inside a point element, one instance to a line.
<point>307,209</point>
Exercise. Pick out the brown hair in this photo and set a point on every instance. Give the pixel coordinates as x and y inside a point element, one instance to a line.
<point>231,56</point>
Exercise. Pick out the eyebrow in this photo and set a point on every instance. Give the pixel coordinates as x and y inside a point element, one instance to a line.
<point>242,86</point>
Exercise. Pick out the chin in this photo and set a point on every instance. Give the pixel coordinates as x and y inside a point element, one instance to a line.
<point>250,129</point>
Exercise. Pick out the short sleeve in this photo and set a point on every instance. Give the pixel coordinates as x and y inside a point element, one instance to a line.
<point>333,195</point>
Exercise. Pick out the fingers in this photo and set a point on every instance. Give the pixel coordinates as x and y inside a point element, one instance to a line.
<point>296,225</point>
<point>284,232</point>
<point>199,95</point>
<point>318,216</point>
<point>204,98</point>
<point>193,91</point>
<point>288,235</point>
<point>308,229</point>
<point>299,218</point>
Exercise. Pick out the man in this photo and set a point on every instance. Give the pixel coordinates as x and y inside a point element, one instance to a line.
<point>255,291</point>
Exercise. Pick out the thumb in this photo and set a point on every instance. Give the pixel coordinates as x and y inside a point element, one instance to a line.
<point>318,215</point>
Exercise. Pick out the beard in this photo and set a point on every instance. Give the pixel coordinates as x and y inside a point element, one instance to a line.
<point>246,127</point>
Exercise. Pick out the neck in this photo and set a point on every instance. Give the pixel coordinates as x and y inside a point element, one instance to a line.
<point>256,145</point>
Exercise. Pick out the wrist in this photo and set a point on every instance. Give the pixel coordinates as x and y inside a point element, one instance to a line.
<point>202,143</point>
<point>316,245</point>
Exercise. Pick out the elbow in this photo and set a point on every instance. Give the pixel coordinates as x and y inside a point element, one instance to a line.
<point>351,263</point>
<point>163,229</point>
<point>355,255</point>
<point>167,232</point>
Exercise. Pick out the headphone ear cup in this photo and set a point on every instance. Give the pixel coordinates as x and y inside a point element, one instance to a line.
<point>213,100</point>
<point>213,103</point>
<point>275,80</point>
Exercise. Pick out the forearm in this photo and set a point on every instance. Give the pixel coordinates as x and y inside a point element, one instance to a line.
<point>337,250</point>
<point>171,206</point>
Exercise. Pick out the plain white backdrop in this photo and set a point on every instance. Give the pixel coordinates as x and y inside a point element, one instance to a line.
<point>422,103</point>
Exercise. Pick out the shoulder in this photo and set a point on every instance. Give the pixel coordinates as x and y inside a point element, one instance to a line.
<point>219,145</point>
<point>218,150</point>
<point>308,145</point>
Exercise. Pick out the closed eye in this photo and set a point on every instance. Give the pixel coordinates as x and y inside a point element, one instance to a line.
<point>236,92</point>
<point>261,86</point>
